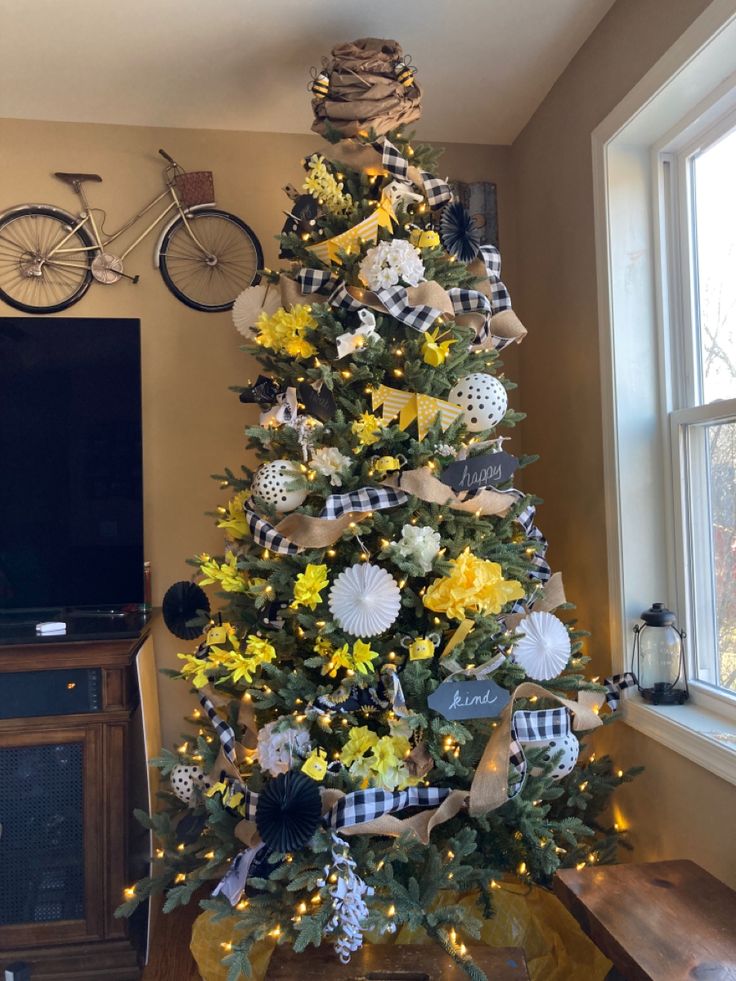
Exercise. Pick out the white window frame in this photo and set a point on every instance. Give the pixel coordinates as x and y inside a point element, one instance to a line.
<point>648,355</point>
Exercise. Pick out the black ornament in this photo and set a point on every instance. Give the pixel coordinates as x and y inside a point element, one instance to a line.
<point>458,232</point>
<point>186,610</point>
<point>288,811</point>
<point>300,220</point>
<point>190,827</point>
<point>320,404</point>
<point>367,699</point>
<point>263,392</point>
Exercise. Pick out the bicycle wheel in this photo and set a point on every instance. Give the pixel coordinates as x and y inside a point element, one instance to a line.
<point>32,277</point>
<point>212,279</point>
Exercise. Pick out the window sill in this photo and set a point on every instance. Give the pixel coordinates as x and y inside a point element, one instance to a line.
<point>695,732</point>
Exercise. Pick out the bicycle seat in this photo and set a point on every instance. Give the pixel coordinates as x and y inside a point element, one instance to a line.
<point>77,178</point>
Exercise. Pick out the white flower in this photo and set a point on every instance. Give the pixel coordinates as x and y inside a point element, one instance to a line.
<point>390,263</point>
<point>280,748</point>
<point>330,462</point>
<point>421,544</point>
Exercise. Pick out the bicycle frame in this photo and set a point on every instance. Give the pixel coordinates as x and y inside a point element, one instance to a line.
<point>87,218</point>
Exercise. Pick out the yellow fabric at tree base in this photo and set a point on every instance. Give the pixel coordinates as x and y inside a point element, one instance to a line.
<point>556,948</point>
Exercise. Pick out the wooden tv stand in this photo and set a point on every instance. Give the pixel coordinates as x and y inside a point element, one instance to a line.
<point>64,843</point>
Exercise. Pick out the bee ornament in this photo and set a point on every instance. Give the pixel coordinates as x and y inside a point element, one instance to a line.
<point>315,765</point>
<point>421,648</point>
<point>387,464</point>
<point>405,71</point>
<point>320,84</point>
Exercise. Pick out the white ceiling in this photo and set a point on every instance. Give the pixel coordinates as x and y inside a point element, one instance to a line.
<point>485,65</point>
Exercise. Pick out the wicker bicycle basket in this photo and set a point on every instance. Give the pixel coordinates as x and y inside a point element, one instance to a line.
<point>195,187</point>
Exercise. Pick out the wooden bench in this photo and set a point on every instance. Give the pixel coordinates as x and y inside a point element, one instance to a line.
<point>395,962</point>
<point>658,921</point>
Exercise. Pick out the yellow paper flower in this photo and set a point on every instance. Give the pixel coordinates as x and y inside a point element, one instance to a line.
<point>284,331</point>
<point>243,666</point>
<point>367,429</point>
<point>363,657</point>
<point>473,586</point>
<point>435,351</point>
<point>195,669</point>
<point>424,239</point>
<point>323,647</point>
<point>233,520</point>
<point>386,763</point>
<point>309,585</point>
<point>226,573</point>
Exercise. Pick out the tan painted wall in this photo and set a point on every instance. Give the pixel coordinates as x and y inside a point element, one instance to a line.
<point>676,809</point>
<point>192,424</point>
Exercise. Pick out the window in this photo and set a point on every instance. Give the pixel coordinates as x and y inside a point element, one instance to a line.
<point>700,248</point>
<point>664,167</point>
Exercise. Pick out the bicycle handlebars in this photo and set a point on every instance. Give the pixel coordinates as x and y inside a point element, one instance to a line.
<point>165,155</point>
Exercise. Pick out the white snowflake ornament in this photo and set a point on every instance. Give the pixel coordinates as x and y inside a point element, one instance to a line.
<point>544,650</point>
<point>365,600</point>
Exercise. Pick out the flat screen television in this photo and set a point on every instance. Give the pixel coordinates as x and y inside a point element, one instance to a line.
<point>71,494</point>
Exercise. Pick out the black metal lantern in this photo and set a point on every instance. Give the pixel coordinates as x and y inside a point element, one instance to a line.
<point>658,657</point>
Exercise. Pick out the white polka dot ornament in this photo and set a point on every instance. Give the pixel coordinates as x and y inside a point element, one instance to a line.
<point>483,400</point>
<point>186,779</point>
<point>567,744</point>
<point>271,482</point>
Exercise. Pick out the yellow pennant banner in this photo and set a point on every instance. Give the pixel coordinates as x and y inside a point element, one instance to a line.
<point>353,238</point>
<point>409,406</point>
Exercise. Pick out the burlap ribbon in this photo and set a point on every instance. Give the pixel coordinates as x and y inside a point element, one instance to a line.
<point>551,597</point>
<point>364,91</point>
<point>423,484</point>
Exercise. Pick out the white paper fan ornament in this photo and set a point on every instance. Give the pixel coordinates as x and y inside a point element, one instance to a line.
<point>544,650</point>
<point>251,303</point>
<point>365,600</point>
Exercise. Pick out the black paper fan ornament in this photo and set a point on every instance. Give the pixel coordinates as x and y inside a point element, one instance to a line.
<point>186,609</point>
<point>458,232</point>
<point>288,811</point>
<point>263,392</point>
<point>320,404</point>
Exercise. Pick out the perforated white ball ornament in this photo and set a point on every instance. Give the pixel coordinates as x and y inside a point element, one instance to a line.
<point>186,779</point>
<point>570,748</point>
<point>483,400</point>
<point>271,482</point>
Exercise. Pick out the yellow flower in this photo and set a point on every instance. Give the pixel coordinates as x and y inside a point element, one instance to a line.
<point>424,239</point>
<point>244,666</point>
<point>434,351</point>
<point>324,186</point>
<point>195,669</point>
<point>234,517</point>
<point>386,762</point>
<point>259,648</point>
<point>367,429</point>
<point>323,647</point>
<point>308,586</point>
<point>227,574</point>
<point>359,742</point>
<point>284,331</point>
<point>473,586</point>
<point>360,660</point>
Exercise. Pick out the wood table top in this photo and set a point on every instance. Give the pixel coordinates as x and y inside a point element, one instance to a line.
<point>656,921</point>
<point>395,962</point>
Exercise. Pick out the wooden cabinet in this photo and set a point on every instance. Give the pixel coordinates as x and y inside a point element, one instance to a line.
<point>64,808</point>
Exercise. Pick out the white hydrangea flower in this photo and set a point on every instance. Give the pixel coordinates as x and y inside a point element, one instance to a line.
<point>279,746</point>
<point>330,462</point>
<point>421,544</point>
<point>390,263</point>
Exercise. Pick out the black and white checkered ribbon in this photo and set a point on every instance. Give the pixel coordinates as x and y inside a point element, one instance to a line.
<point>223,729</point>
<point>437,191</point>
<point>367,805</point>
<point>362,500</point>
<point>313,280</point>
<point>531,727</point>
<point>541,570</point>
<point>397,305</point>
<point>616,685</point>
<point>264,533</point>
<point>500,298</point>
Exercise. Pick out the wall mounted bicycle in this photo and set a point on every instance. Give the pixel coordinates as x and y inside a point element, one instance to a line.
<point>49,257</point>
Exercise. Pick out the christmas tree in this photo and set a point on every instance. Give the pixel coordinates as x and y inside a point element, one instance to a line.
<point>389,703</point>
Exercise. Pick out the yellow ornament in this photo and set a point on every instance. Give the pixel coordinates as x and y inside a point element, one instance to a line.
<point>315,765</point>
<point>367,429</point>
<point>434,351</point>
<point>385,464</point>
<point>473,586</point>
<point>420,649</point>
<point>424,239</point>
<point>309,585</point>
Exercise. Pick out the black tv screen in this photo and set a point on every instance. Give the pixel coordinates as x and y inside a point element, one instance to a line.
<point>71,496</point>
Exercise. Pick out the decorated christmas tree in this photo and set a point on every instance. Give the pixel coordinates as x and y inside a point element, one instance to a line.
<point>393,692</point>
